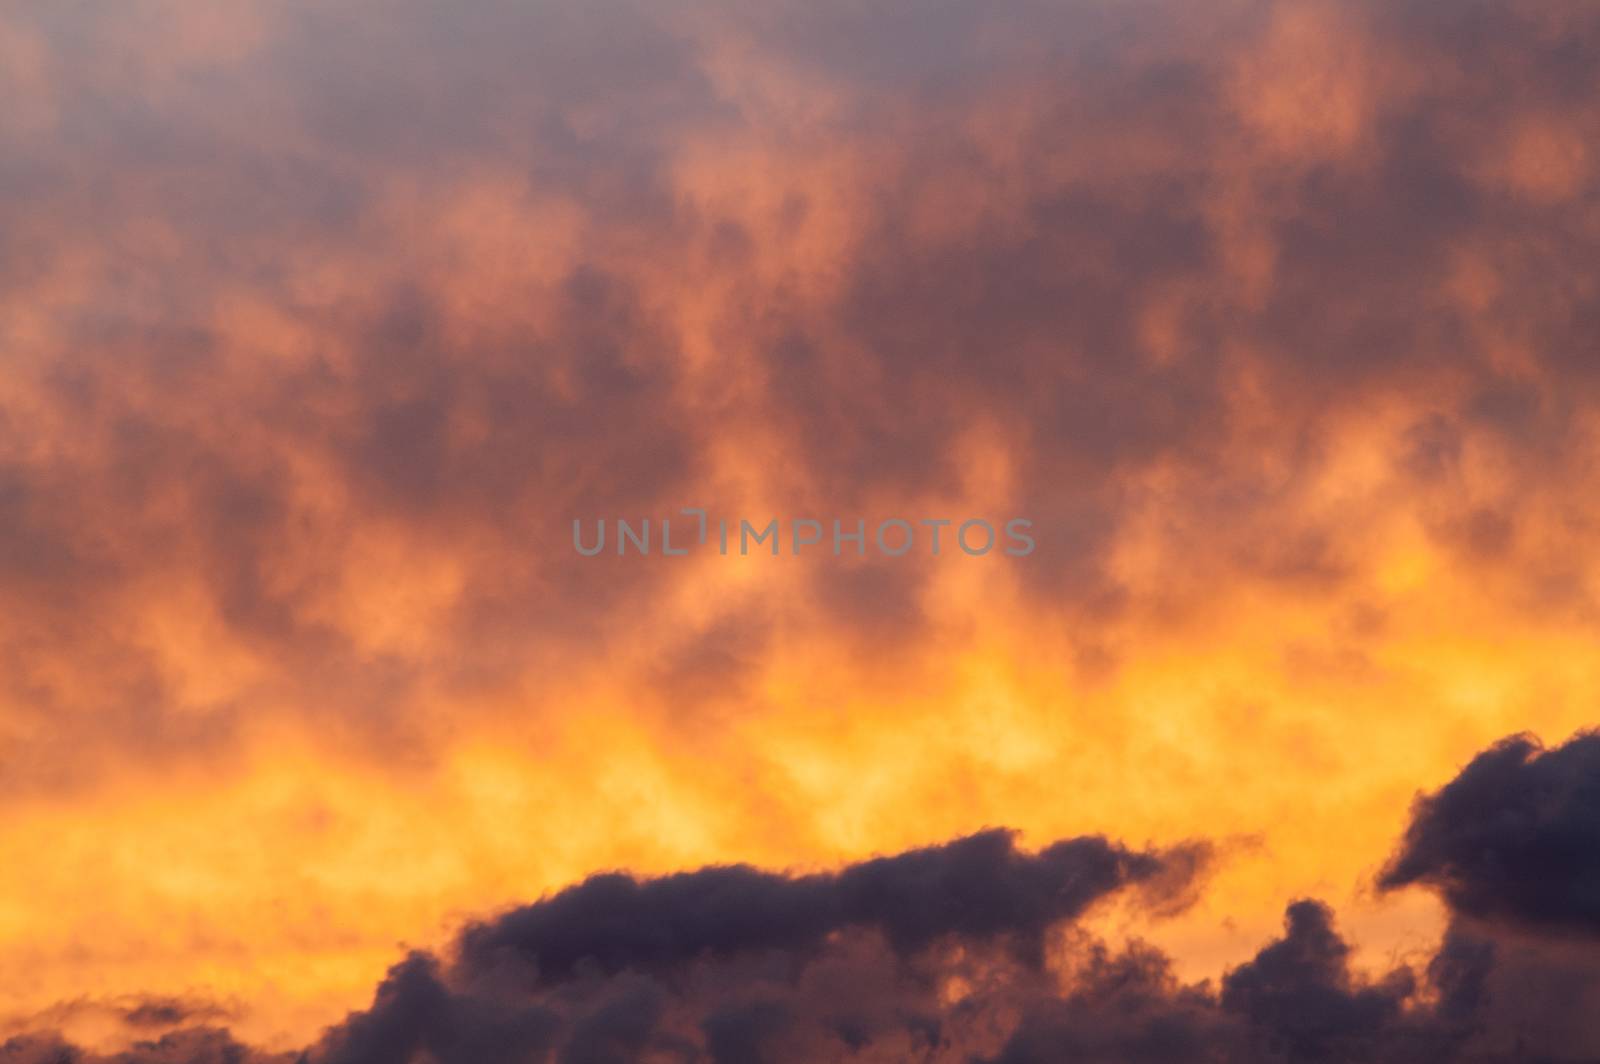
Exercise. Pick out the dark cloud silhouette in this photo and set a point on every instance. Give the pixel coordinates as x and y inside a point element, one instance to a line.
<point>1514,838</point>
<point>1123,1007</point>
<point>1300,994</point>
<point>1510,845</point>
<point>415,1013</point>
<point>957,953</point>
<point>976,889</point>
<point>1296,1001</point>
<point>745,965</point>
<point>196,1045</point>
<point>170,1012</point>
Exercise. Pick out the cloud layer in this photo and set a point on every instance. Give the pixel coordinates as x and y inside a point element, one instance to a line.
<point>969,951</point>
<point>320,323</point>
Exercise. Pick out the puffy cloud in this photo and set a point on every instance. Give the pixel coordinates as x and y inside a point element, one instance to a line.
<point>760,967</point>
<point>975,889</point>
<point>975,950</point>
<point>744,965</point>
<point>1515,838</point>
<point>1509,845</point>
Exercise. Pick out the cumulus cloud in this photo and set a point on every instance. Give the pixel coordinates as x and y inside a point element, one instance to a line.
<point>924,950</point>
<point>917,952</point>
<point>1296,1000</point>
<point>976,889</point>
<point>973,950</point>
<point>1515,838</point>
<point>1509,844</point>
<point>905,957</point>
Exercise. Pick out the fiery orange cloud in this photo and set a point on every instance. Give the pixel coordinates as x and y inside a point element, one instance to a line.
<point>321,323</point>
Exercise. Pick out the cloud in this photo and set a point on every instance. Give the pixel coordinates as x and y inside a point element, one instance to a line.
<point>321,322</point>
<point>1300,991</point>
<point>1509,844</point>
<point>977,889</point>
<point>197,1045</point>
<point>902,957</point>
<point>1296,1000</point>
<point>414,290</point>
<point>1515,838</point>
<point>975,950</point>
<point>747,965</point>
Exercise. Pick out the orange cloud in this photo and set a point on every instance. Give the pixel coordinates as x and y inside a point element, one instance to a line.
<point>321,324</point>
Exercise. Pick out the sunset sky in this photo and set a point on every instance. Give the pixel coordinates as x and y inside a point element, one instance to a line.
<point>322,321</point>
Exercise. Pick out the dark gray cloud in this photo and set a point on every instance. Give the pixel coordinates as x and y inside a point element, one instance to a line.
<point>788,997</point>
<point>939,955</point>
<point>740,964</point>
<point>1299,992</point>
<point>976,889</point>
<point>195,1045</point>
<point>1515,838</point>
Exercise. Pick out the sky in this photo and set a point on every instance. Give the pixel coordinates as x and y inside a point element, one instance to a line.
<point>322,323</point>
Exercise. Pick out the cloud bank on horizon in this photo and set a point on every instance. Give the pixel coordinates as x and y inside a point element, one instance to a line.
<point>321,322</point>
<point>971,951</point>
